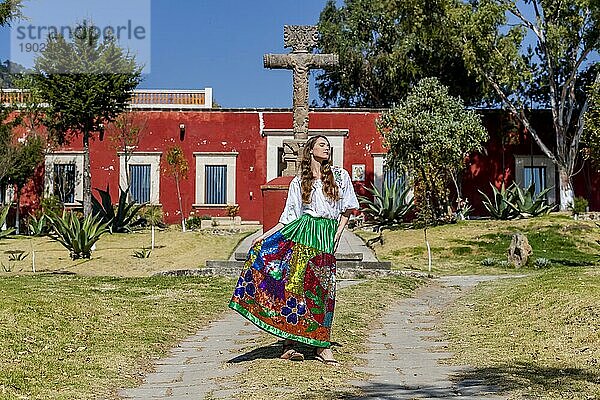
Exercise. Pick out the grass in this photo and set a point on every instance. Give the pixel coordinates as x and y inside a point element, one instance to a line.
<point>114,255</point>
<point>537,336</point>
<point>83,337</point>
<point>459,248</point>
<point>357,311</point>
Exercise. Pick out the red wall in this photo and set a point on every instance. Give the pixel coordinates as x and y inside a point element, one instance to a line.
<point>240,131</point>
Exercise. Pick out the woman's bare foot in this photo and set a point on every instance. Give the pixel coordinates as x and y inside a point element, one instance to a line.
<point>325,355</point>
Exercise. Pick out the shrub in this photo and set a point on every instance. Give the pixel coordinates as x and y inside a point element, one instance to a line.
<point>489,262</point>
<point>499,207</point>
<point>3,215</point>
<point>528,204</point>
<point>542,263</point>
<point>232,210</point>
<point>143,253</point>
<point>579,206</point>
<point>194,222</point>
<point>77,235</point>
<point>120,221</point>
<point>38,226</point>
<point>388,207</point>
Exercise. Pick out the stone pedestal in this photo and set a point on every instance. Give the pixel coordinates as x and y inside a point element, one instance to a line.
<point>274,196</point>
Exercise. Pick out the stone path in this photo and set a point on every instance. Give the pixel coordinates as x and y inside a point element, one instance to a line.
<point>404,353</point>
<point>403,356</point>
<point>200,365</point>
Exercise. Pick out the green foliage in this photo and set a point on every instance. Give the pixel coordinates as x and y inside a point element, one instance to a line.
<point>10,10</point>
<point>580,205</point>
<point>388,207</point>
<point>541,262</point>
<point>27,156</point>
<point>143,253</point>
<point>527,204</point>
<point>153,215</point>
<point>3,215</point>
<point>431,134</point>
<point>385,47</point>
<point>38,226</point>
<point>77,235</point>
<point>123,220</point>
<point>193,222</point>
<point>51,204</point>
<point>515,202</point>
<point>85,83</point>
<point>177,163</point>
<point>591,136</point>
<point>489,262</point>
<point>16,255</point>
<point>540,51</point>
<point>499,207</point>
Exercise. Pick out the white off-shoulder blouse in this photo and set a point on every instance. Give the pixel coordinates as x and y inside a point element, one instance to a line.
<point>320,205</point>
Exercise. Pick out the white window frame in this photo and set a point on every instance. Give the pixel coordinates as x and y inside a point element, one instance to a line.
<point>64,157</point>
<point>522,161</point>
<point>215,158</point>
<point>143,158</point>
<point>275,138</point>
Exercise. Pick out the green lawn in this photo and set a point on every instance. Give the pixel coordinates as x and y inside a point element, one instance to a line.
<point>459,248</point>
<point>83,337</point>
<point>538,336</point>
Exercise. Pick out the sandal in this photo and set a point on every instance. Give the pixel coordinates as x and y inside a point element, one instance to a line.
<point>327,361</point>
<point>290,354</point>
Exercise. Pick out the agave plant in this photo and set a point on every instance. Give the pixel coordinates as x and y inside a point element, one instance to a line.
<point>500,207</point>
<point>527,204</point>
<point>121,221</point>
<point>77,235</point>
<point>3,214</point>
<point>388,207</point>
<point>38,226</point>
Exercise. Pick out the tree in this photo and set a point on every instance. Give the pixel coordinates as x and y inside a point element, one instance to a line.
<point>553,72</point>
<point>592,126</point>
<point>125,134</point>
<point>178,167</point>
<point>430,135</point>
<point>10,10</point>
<point>27,156</point>
<point>85,83</point>
<point>387,46</point>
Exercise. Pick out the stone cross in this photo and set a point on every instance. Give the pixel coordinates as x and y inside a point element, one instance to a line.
<point>302,39</point>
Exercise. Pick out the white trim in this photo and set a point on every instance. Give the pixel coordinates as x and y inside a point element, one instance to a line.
<point>137,158</point>
<point>64,157</point>
<point>522,161</point>
<point>215,158</point>
<point>275,138</point>
<point>378,164</point>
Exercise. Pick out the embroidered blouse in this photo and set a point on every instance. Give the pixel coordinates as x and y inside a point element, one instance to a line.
<point>320,205</point>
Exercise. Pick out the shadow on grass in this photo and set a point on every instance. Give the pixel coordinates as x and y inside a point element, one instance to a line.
<point>525,375</point>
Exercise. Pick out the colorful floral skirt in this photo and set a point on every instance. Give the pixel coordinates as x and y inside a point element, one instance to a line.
<point>287,286</point>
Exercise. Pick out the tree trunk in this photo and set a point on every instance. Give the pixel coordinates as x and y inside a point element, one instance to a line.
<point>17,213</point>
<point>180,206</point>
<point>565,186</point>
<point>87,176</point>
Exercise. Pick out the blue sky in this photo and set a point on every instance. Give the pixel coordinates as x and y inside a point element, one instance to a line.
<point>218,44</point>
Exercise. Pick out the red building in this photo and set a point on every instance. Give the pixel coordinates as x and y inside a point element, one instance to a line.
<point>233,152</point>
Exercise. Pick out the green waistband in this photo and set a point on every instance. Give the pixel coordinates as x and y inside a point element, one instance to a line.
<point>315,232</point>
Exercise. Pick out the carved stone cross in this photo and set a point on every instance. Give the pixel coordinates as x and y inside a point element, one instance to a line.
<point>302,39</point>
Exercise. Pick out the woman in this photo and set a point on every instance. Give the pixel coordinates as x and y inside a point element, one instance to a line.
<point>287,286</point>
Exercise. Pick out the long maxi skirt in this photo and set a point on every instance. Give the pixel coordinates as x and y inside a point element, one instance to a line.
<point>287,285</point>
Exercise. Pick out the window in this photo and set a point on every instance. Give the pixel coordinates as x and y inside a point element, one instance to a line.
<point>215,179</point>
<point>216,184</point>
<point>536,169</point>
<point>63,176</point>
<point>139,176</point>
<point>392,176</point>
<point>535,175</point>
<point>64,182</point>
<point>144,176</point>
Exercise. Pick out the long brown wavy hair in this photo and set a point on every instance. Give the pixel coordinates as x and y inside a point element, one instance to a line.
<point>330,188</point>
